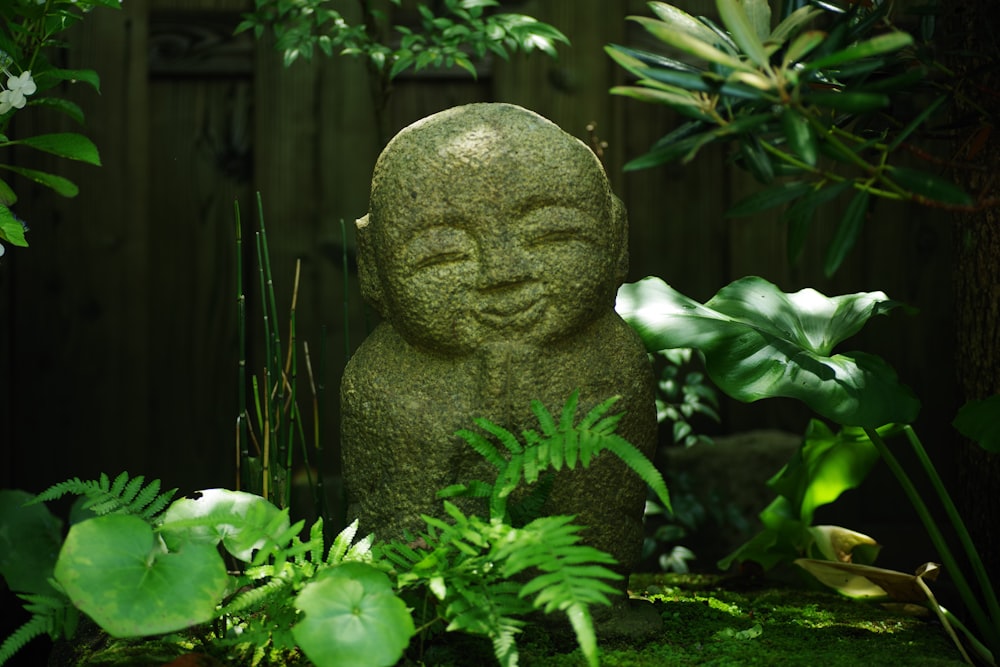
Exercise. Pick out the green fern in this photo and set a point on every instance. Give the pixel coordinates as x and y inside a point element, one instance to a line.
<point>557,445</point>
<point>475,570</point>
<point>122,496</point>
<point>50,615</point>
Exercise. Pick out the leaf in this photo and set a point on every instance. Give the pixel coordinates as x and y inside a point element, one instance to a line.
<point>29,541</point>
<point>848,230</point>
<point>824,466</point>
<point>802,46</point>
<point>690,44</point>
<point>760,342</point>
<point>69,108</point>
<point>114,570</point>
<point>747,31</point>
<point>681,21</point>
<point>980,421</point>
<point>238,519</point>
<point>799,134</point>
<point>54,75</point>
<point>850,102</point>
<point>7,196</point>
<point>352,617</point>
<point>62,186</point>
<point>64,144</point>
<point>799,215</point>
<point>792,24</point>
<point>11,229</point>
<point>769,198</point>
<point>930,186</point>
<point>865,581</point>
<point>886,43</point>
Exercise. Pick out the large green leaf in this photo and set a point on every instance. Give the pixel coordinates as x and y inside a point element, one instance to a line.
<point>760,342</point>
<point>29,541</point>
<point>241,521</point>
<point>826,465</point>
<point>352,617</point>
<point>119,573</point>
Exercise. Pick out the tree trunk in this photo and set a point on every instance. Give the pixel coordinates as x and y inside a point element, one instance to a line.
<point>977,271</point>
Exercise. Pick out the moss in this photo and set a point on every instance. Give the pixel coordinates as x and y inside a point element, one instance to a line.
<point>708,623</point>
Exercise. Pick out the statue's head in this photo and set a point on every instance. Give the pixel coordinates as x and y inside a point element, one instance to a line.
<point>488,223</point>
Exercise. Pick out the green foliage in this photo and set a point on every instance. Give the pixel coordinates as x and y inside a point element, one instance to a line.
<point>51,615</point>
<point>825,465</point>
<point>352,617</point>
<point>463,32</point>
<point>473,569</point>
<point>122,496</point>
<point>813,106</point>
<point>138,569</point>
<point>557,445</point>
<point>681,394</point>
<point>28,38</point>
<point>29,542</point>
<point>760,342</point>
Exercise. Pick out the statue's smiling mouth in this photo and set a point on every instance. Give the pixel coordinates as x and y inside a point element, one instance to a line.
<point>511,314</point>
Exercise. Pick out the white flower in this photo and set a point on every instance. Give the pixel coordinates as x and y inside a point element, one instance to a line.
<point>5,104</point>
<point>18,87</point>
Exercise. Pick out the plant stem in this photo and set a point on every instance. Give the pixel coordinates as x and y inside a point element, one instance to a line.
<point>975,560</point>
<point>937,539</point>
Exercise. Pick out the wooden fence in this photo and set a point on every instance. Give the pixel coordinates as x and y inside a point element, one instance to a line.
<point>118,326</point>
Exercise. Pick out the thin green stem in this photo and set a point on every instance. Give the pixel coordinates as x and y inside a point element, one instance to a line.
<point>937,539</point>
<point>978,569</point>
<point>242,437</point>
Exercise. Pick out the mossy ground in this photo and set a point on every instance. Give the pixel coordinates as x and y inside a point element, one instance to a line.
<point>707,621</point>
<point>711,621</point>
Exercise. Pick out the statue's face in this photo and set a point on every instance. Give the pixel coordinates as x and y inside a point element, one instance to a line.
<point>521,245</point>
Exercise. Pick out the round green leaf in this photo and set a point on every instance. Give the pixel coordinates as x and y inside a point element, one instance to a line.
<point>241,521</point>
<point>116,571</point>
<point>760,342</point>
<point>352,617</point>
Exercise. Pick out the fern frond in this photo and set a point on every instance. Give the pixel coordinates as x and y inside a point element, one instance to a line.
<point>595,419</point>
<point>638,462</point>
<point>341,543</point>
<point>256,598</point>
<point>483,447</point>
<point>35,627</point>
<point>506,438</point>
<point>123,496</point>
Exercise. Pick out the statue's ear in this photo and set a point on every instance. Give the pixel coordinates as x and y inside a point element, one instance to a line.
<point>619,218</point>
<point>371,286</point>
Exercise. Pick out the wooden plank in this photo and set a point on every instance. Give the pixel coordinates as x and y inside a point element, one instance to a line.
<point>81,362</point>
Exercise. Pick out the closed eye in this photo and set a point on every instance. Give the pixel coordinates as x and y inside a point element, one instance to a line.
<point>441,258</point>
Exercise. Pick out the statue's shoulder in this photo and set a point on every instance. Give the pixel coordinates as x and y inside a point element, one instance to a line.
<point>386,362</point>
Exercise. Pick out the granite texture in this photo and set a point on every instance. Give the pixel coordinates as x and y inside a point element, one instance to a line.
<point>493,250</point>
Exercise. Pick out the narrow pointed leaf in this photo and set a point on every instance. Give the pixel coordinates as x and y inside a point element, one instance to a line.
<point>61,185</point>
<point>690,44</point>
<point>746,32</point>
<point>847,232</point>
<point>880,44</point>
<point>681,21</point>
<point>800,136</point>
<point>769,198</point>
<point>930,186</point>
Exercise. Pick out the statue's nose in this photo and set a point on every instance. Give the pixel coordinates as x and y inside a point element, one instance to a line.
<point>503,263</point>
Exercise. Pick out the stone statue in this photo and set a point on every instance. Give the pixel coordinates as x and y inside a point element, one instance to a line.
<point>493,250</point>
